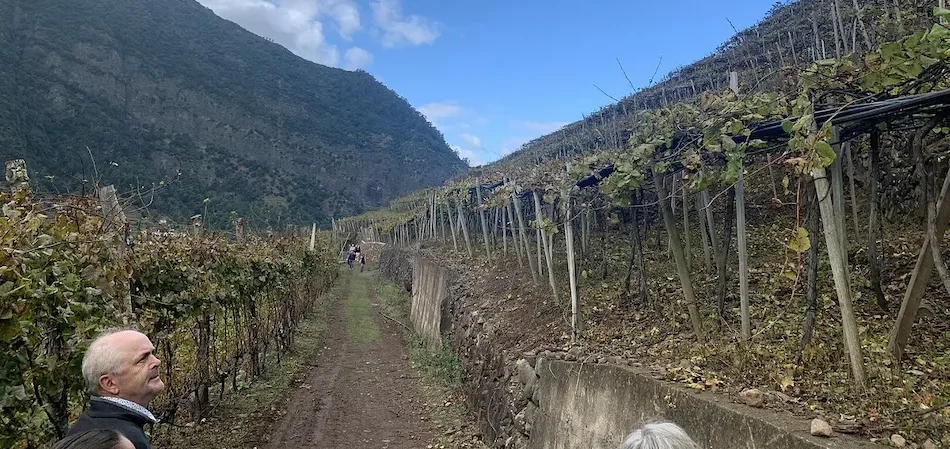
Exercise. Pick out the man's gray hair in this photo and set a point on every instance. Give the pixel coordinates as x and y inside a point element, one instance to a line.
<point>659,435</point>
<point>101,358</point>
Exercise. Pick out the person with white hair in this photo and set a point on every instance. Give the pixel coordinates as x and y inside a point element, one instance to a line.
<point>95,439</point>
<point>121,373</point>
<point>659,435</point>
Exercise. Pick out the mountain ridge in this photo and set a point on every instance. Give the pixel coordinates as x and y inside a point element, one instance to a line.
<point>168,91</point>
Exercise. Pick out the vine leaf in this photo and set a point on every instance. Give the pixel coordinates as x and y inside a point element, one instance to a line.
<point>799,241</point>
<point>826,154</point>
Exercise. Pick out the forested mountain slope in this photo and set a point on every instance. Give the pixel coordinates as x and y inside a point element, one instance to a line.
<point>165,90</point>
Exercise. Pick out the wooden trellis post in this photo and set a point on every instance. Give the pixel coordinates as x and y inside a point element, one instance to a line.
<point>240,230</point>
<point>524,235</point>
<point>707,258</point>
<point>571,268</point>
<point>920,277</point>
<point>838,199</point>
<point>113,217</point>
<point>542,250</point>
<point>448,214</point>
<point>710,225</point>
<point>481,217</point>
<point>837,260</point>
<point>313,237</point>
<point>463,223</point>
<point>743,258</point>
<point>504,230</point>
<point>741,236</point>
<point>545,239</point>
<point>677,249</point>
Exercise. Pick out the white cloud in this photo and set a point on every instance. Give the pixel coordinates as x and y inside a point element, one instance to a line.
<point>474,159</point>
<point>398,29</point>
<point>437,111</point>
<point>511,145</point>
<point>538,127</point>
<point>347,17</point>
<point>298,25</point>
<point>472,140</point>
<point>356,58</point>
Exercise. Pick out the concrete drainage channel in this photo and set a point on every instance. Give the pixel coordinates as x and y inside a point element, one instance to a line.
<point>542,401</point>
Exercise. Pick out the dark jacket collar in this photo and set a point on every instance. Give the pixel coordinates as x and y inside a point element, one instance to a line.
<point>99,408</point>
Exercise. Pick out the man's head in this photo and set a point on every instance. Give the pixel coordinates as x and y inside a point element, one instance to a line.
<point>122,363</point>
<point>659,435</point>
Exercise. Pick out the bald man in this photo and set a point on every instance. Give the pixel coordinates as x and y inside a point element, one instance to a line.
<point>121,373</point>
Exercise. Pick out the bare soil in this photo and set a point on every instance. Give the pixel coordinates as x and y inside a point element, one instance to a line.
<point>360,391</point>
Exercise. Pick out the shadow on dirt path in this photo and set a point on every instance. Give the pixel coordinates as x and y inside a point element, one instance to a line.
<point>360,391</point>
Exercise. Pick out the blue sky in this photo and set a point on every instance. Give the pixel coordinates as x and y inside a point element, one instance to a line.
<point>494,74</point>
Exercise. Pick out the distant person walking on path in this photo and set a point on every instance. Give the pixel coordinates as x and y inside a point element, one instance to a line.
<point>362,262</point>
<point>350,258</point>
<point>121,373</point>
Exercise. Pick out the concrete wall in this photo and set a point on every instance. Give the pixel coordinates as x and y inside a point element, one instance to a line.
<point>544,399</point>
<point>595,406</point>
<point>430,291</point>
<point>394,265</point>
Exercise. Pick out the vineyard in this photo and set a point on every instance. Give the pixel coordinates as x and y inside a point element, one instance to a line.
<point>219,308</point>
<point>795,226</point>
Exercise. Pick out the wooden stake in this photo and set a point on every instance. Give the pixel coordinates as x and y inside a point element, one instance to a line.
<point>837,182</point>
<point>854,198</point>
<point>791,42</point>
<point>680,258</point>
<point>686,233</point>
<point>463,223</point>
<point>515,238</point>
<point>546,240</point>
<point>524,235</point>
<point>481,217</point>
<point>571,269</point>
<point>834,25</point>
<point>441,223</point>
<point>504,230</point>
<point>874,223</point>
<point>448,214</point>
<point>313,237</point>
<point>703,234</point>
<point>710,224</point>
<point>743,259</point>
<point>924,268</point>
<point>542,249</point>
<point>114,218</point>
<point>837,261</point>
<point>841,28</point>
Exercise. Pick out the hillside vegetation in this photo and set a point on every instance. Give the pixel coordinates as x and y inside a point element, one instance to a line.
<point>139,92</point>
<point>793,34</point>
<point>784,233</point>
<point>219,309</point>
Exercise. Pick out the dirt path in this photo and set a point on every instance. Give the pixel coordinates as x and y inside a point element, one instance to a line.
<point>360,391</point>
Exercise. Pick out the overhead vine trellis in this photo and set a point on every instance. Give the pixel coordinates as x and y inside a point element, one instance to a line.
<point>688,147</point>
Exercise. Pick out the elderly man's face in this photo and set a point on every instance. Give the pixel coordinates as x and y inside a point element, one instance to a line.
<point>138,378</point>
